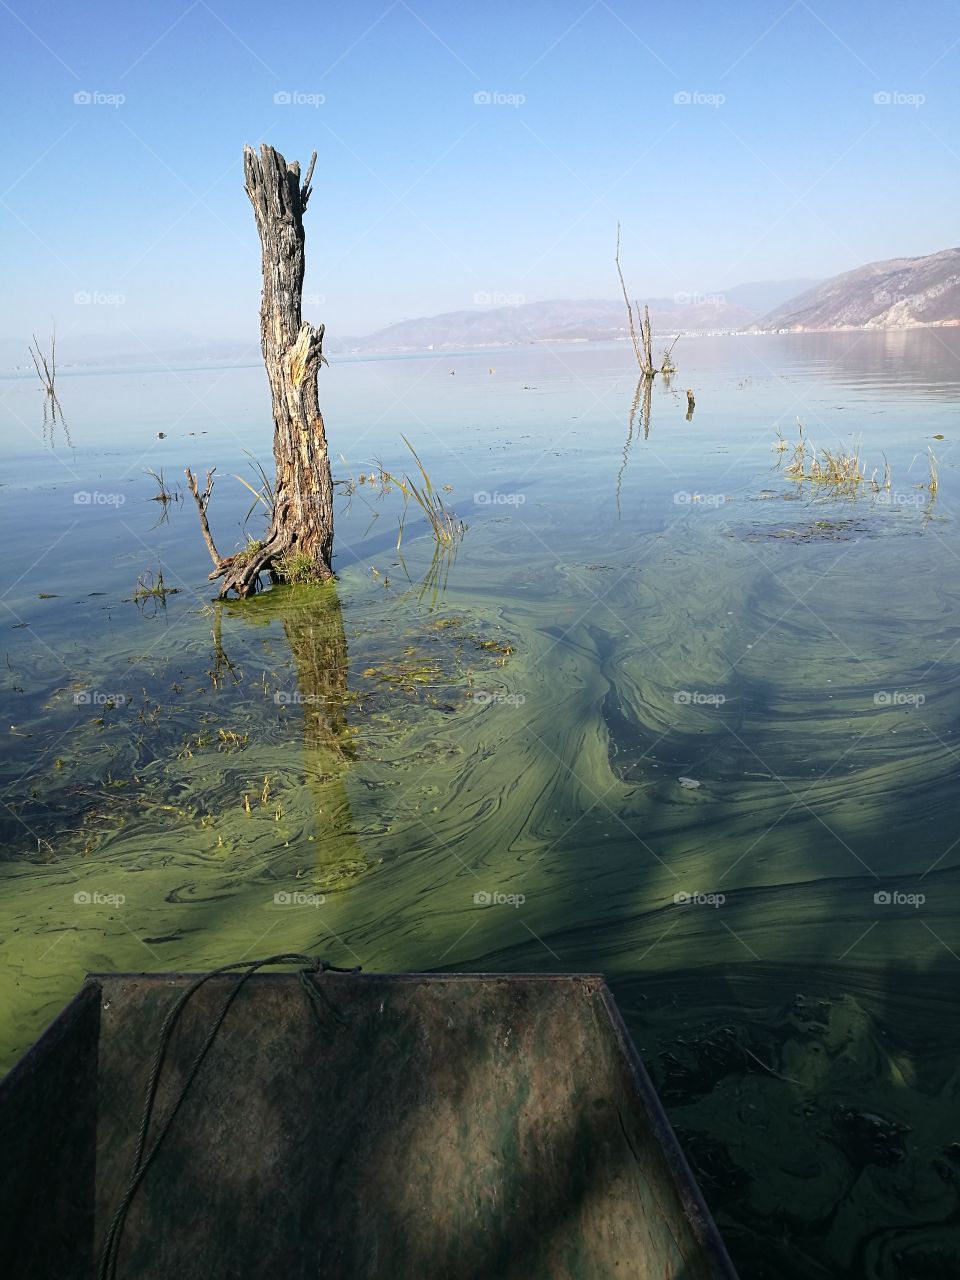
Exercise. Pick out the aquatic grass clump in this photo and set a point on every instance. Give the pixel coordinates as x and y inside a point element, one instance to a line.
<point>840,470</point>
<point>407,673</point>
<point>253,546</point>
<point>447,528</point>
<point>297,568</point>
<point>933,482</point>
<point>163,494</point>
<point>887,478</point>
<point>265,494</point>
<point>150,587</point>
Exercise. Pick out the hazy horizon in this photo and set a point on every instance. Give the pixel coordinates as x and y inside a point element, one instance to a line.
<point>101,347</point>
<point>462,156</point>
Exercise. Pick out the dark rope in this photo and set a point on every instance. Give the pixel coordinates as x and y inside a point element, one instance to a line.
<point>242,970</point>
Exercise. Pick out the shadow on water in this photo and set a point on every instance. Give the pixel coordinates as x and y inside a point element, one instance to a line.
<point>815,1103</point>
<point>815,1099</point>
<point>814,1092</point>
<point>815,1107</point>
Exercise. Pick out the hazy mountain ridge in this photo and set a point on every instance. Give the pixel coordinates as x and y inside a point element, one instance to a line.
<point>899,293</point>
<point>576,320</point>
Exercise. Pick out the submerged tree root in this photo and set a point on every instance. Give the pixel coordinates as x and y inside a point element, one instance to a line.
<point>278,557</point>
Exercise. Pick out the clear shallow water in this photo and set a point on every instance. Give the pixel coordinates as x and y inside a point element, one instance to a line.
<point>515,722</point>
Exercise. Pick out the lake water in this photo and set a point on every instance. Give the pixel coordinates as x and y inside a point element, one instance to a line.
<point>667,714</point>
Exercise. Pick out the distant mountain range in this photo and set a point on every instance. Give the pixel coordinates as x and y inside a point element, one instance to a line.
<point>901,293</point>
<point>569,320</point>
<point>488,324</point>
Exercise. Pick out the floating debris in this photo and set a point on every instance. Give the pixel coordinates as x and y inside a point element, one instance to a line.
<point>688,784</point>
<point>815,531</point>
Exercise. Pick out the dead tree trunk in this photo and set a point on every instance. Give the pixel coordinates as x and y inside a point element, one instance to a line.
<point>646,367</point>
<point>299,541</point>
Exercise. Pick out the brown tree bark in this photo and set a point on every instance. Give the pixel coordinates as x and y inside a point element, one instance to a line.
<point>299,541</point>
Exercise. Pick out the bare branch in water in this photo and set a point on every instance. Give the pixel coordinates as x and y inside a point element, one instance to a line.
<point>47,373</point>
<point>642,345</point>
<point>201,499</point>
<point>626,299</point>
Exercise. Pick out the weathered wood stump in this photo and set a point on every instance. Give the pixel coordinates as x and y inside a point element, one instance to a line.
<point>300,535</point>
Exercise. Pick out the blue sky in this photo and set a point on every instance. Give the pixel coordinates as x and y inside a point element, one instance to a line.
<point>777,160</point>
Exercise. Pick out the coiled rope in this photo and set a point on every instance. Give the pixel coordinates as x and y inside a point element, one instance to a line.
<point>244,970</point>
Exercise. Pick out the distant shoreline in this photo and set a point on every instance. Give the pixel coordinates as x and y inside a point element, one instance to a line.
<point>184,361</point>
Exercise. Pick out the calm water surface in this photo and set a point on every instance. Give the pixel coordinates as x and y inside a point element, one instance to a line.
<point>487,761</point>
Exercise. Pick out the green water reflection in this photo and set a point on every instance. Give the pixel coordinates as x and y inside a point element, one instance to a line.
<point>477,764</point>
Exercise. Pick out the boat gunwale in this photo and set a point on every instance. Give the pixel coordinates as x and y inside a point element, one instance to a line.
<point>595,985</point>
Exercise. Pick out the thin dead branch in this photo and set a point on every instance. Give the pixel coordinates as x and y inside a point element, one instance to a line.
<point>47,373</point>
<point>201,499</point>
<point>626,299</point>
<point>642,345</point>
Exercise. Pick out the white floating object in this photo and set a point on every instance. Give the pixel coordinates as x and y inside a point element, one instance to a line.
<point>689,784</point>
